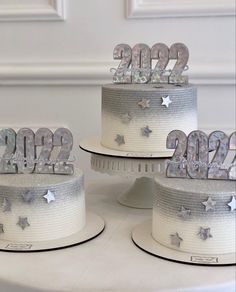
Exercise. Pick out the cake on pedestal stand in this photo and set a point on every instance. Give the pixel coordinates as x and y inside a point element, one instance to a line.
<point>143,167</point>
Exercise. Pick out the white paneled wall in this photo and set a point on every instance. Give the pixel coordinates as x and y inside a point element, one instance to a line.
<point>54,55</point>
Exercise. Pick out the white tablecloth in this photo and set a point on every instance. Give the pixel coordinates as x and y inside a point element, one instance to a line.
<point>110,262</point>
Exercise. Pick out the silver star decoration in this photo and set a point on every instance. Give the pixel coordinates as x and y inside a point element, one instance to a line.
<point>184,213</point>
<point>120,139</point>
<point>176,239</point>
<point>232,204</point>
<point>204,233</point>
<point>209,204</point>
<point>6,204</point>
<point>50,197</point>
<point>146,131</point>
<point>23,222</point>
<point>144,103</point>
<point>126,118</point>
<point>1,228</point>
<point>28,196</point>
<point>166,101</point>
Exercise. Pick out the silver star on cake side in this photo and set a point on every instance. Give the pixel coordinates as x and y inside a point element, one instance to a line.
<point>28,196</point>
<point>166,101</point>
<point>23,222</point>
<point>184,213</point>
<point>1,228</point>
<point>176,239</point>
<point>50,197</point>
<point>120,139</point>
<point>146,131</point>
<point>126,118</point>
<point>209,204</point>
<point>204,233</point>
<point>144,103</point>
<point>232,204</point>
<point>6,204</point>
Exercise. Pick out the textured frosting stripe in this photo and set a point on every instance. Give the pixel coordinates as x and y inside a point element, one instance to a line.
<point>121,100</point>
<point>171,202</point>
<point>46,220</point>
<point>178,208</point>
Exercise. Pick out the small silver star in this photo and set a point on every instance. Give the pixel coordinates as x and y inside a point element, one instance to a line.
<point>6,204</point>
<point>120,139</point>
<point>204,233</point>
<point>184,213</point>
<point>146,131</point>
<point>1,228</point>
<point>176,239</point>
<point>166,101</point>
<point>28,196</point>
<point>209,204</point>
<point>126,118</point>
<point>23,222</point>
<point>232,204</point>
<point>144,103</point>
<point>50,197</point>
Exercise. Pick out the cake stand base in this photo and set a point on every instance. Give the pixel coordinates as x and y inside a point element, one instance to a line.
<point>94,226</point>
<point>140,194</point>
<point>142,237</point>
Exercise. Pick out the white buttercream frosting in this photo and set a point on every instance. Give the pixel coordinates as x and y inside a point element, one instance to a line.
<point>173,194</point>
<point>135,112</point>
<point>61,217</point>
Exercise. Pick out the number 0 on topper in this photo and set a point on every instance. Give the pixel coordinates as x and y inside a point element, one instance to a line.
<point>21,155</point>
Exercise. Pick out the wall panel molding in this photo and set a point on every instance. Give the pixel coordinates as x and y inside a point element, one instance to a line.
<point>179,8</point>
<point>96,73</point>
<point>53,10</point>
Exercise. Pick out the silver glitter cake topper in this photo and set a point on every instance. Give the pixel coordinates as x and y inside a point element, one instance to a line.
<point>136,63</point>
<point>6,205</point>
<point>49,196</point>
<point>1,228</point>
<point>21,155</point>
<point>205,233</point>
<point>176,239</point>
<point>192,158</point>
<point>23,222</point>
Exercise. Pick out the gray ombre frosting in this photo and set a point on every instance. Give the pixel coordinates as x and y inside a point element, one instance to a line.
<point>47,221</point>
<point>119,100</point>
<point>174,193</point>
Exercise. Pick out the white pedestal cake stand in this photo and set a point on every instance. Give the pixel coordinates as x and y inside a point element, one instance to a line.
<point>141,166</point>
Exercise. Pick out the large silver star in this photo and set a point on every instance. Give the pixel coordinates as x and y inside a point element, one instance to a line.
<point>184,213</point>
<point>50,197</point>
<point>144,103</point>
<point>6,204</point>
<point>23,222</point>
<point>204,233</point>
<point>209,204</point>
<point>120,139</point>
<point>126,118</point>
<point>166,101</point>
<point>28,196</point>
<point>232,204</point>
<point>176,239</point>
<point>1,228</point>
<point>146,131</point>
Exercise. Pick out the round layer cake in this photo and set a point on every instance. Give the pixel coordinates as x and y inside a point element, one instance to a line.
<point>41,207</point>
<point>138,117</point>
<point>195,216</point>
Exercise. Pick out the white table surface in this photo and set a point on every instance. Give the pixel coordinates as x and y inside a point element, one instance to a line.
<point>110,262</point>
